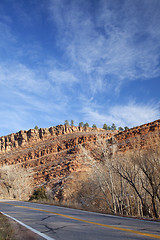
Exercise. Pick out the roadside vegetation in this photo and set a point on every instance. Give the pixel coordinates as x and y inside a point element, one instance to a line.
<point>121,183</point>
<point>39,194</point>
<point>15,181</point>
<point>124,183</point>
<point>6,231</point>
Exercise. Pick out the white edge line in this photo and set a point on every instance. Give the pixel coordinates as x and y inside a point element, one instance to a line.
<point>30,228</point>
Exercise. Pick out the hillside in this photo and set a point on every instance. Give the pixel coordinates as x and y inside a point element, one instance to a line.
<point>63,160</point>
<point>44,156</point>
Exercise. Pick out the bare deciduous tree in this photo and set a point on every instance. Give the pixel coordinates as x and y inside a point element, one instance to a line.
<point>130,181</point>
<point>15,181</point>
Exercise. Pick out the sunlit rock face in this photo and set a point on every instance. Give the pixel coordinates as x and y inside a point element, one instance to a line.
<point>53,157</point>
<point>45,155</point>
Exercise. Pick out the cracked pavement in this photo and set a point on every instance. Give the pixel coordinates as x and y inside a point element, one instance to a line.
<point>61,223</point>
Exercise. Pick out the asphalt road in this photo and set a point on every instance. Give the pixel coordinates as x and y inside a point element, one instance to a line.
<point>61,223</point>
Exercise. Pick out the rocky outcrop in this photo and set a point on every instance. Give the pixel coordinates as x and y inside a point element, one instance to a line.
<point>53,155</point>
<point>50,154</point>
<point>141,137</point>
<point>31,137</point>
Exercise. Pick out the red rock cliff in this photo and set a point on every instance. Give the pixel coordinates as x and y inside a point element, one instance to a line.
<point>53,154</point>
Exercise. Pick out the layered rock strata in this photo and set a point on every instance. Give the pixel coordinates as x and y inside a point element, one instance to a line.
<point>53,155</point>
<point>139,137</point>
<point>31,137</point>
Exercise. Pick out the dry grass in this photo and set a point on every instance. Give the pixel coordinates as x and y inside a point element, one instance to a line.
<point>6,232</point>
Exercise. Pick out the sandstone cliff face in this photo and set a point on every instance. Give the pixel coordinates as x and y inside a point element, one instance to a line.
<point>49,154</point>
<point>52,156</point>
<point>138,137</point>
<point>31,137</point>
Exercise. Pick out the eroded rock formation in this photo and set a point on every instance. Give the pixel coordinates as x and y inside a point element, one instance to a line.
<point>31,137</point>
<point>52,156</point>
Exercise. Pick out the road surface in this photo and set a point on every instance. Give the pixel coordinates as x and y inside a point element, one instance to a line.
<point>59,223</point>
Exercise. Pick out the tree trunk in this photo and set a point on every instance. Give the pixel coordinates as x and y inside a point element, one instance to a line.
<point>154,208</point>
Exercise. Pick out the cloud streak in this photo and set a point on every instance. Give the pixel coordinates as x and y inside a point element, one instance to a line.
<point>132,114</point>
<point>121,41</point>
<point>81,60</point>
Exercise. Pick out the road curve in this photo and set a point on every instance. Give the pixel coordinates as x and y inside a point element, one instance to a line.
<point>59,223</point>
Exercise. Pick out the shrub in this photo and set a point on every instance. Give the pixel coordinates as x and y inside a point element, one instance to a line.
<point>120,129</point>
<point>38,194</point>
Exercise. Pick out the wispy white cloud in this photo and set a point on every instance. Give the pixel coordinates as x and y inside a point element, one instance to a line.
<point>14,119</point>
<point>5,30</point>
<point>60,77</point>
<point>135,114</point>
<point>119,39</point>
<point>19,76</point>
<point>73,59</point>
<point>132,114</point>
<point>31,96</point>
<point>7,39</point>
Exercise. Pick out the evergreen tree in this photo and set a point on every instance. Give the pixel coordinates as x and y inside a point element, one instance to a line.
<point>66,123</point>
<point>105,126</point>
<point>81,124</point>
<point>72,123</point>
<point>113,127</point>
<point>86,125</point>
<point>120,129</point>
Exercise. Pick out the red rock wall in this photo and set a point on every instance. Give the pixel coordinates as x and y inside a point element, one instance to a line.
<point>31,137</point>
<point>141,137</point>
<point>53,153</point>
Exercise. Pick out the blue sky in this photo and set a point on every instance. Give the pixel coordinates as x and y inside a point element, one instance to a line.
<point>96,61</point>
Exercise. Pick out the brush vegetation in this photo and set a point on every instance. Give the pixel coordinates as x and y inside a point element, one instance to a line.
<point>6,232</point>
<point>121,183</point>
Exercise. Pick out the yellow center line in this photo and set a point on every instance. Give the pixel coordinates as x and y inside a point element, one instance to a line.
<point>85,221</point>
